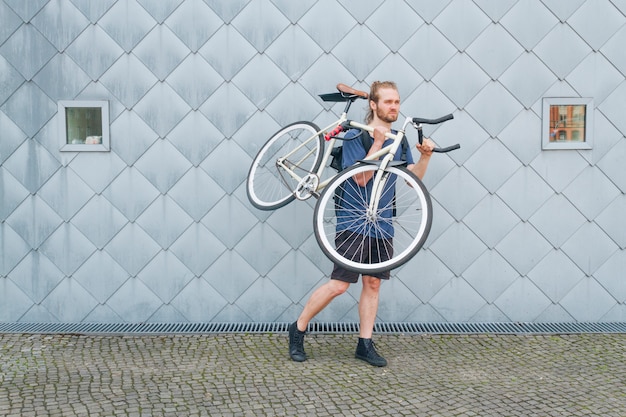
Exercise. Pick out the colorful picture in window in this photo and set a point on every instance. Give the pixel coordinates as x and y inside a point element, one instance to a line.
<point>567,123</point>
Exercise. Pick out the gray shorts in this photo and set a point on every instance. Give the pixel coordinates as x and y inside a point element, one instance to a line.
<point>345,244</point>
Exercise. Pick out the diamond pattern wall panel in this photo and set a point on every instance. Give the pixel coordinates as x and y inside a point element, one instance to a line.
<point>12,137</point>
<point>101,276</point>
<point>128,80</point>
<point>60,22</point>
<point>611,47</point>
<point>161,51</point>
<point>10,21</point>
<point>34,220</point>
<point>193,22</point>
<point>515,21</point>
<point>462,23</point>
<point>227,39</point>
<point>12,193</point>
<point>10,79</point>
<point>611,221</point>
<point>527,78</point>
<point>194,80</point>
<point>127,23</point>
<point>160,229</point>
<point>29,108</point>
<point>61,77</point>
<point>27,50</point>
<point>427,42</point>
<point>37,276</point>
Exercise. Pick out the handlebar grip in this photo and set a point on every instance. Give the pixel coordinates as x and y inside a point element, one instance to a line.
<point>447,149</point>
<point>433,121</point>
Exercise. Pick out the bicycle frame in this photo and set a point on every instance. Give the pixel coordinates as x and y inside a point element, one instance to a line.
<point>310,184</point>
<point>388,150</point>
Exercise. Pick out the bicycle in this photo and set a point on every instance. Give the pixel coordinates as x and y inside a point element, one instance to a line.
<point>290,164</point>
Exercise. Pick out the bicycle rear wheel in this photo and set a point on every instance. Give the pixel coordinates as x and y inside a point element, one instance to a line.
<point>400,225</point>
<point>270,186</point>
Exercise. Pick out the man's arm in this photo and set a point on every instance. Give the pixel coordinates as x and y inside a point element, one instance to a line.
<point>426,151</point>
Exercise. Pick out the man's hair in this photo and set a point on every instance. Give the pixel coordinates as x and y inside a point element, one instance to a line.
<point>375,96</point>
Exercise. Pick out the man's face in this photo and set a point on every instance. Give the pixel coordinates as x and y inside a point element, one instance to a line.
<point>387,108</point>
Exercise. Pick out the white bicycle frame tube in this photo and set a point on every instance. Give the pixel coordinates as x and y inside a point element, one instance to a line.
<point>388,152</point>
<point>328,150</point>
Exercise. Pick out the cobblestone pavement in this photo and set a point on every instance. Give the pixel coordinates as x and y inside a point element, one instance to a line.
<point>251,375</point>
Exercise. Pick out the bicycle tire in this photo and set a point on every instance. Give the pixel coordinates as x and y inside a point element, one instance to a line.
<point>411,221</point>
<point>268,186</point>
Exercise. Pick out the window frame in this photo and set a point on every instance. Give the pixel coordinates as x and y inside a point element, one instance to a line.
<point>548,102</point>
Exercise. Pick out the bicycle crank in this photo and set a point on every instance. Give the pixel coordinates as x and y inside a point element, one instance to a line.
<point>306,187</point>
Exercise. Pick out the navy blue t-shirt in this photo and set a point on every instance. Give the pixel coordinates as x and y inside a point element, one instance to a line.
<point>355,199</point>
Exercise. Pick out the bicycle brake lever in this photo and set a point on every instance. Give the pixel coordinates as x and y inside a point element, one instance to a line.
<point>346,125</point>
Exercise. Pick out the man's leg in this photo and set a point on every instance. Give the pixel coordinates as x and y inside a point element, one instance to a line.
<point>319,300</point>
<point>368,307</point>
<point>316,303</point>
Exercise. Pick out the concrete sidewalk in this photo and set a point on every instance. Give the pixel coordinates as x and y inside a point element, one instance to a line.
<point>251,375</point>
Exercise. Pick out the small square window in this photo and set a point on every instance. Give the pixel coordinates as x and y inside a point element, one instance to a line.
<point>84,125</point>
<point>567,123</point>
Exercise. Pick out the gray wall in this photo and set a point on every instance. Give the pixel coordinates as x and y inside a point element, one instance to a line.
<point>159,228</point>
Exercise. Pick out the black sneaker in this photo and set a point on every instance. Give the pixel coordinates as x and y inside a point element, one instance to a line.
<point>366,351</point>
<point>296,343</point>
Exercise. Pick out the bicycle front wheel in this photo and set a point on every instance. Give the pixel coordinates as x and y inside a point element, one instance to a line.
<point>270,185</point>
<point>377,241</point>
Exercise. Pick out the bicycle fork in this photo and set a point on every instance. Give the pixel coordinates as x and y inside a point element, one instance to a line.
<point>381,177</point>
<point>378,186</point>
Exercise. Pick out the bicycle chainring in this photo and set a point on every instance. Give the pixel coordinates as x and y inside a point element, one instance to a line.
<point>307,187</point>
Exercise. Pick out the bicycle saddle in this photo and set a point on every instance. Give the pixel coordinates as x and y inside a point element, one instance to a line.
<point>346,93</point>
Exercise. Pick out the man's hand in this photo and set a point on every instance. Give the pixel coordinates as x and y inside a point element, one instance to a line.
<point>379,135</point>
<point>426,151</point>
<point>426,148</point>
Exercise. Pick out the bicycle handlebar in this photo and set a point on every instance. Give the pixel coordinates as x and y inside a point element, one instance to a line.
<point>447,149</point>
<point>417,123</point>
<point>419,120</point>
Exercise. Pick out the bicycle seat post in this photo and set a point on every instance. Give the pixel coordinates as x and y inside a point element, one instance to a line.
<point>348,104</point>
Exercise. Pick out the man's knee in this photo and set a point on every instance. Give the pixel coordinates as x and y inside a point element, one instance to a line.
<point>337,287</point>
<point>371,283</point>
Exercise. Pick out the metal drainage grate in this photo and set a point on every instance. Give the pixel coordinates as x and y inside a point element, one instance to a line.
<point>380,328</point>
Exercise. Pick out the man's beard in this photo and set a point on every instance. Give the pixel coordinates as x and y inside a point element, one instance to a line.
<point>387,118</point>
